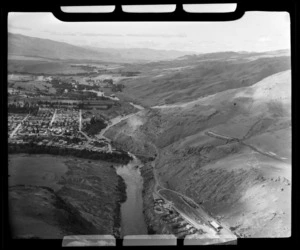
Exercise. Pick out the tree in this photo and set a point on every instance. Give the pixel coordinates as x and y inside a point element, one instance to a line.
<point>117,88</point>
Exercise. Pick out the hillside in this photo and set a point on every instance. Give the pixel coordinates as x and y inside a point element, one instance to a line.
<point>32,47</point>
<point>246,183</point>
<point>194,77</point>
<point>44,48</point>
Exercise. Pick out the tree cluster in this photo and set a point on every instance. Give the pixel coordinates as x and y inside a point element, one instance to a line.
<point>117,87</point>
<point>95,126</point>
<point>120,157</point>
<point>26,109</point>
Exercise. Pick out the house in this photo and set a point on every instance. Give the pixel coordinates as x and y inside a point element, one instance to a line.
<point>168,205</point>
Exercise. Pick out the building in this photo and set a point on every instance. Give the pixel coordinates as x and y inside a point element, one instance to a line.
<point>13,91</point>
<point>168,205</point>
<point>215,225</point>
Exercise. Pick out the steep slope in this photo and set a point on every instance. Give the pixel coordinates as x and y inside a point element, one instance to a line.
<point>248,190</point>
<point>246,182</point>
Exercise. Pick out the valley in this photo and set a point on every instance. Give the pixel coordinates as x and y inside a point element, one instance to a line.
<point>198,146</point>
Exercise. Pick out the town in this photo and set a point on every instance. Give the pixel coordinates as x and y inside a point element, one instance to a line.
<point>52,127</point>
<point>67,112</point>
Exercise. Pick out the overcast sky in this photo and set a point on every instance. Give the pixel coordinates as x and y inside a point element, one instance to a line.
<point>255,31</point>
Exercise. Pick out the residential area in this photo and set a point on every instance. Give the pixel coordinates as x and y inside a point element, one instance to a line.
<point>53,127</point>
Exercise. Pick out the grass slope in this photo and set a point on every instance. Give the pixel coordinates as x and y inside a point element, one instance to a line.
<point>189,79</point>
<point>245,189</point>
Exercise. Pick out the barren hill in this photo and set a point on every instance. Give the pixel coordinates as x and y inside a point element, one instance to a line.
<point>245,183</point>
<point>33,47</point>
<point>194,77</point>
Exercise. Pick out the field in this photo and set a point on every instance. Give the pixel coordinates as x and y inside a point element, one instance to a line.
<point>51,197</point>
<point>42,67</point>
<point>28,170</point>
<point>33,86</point>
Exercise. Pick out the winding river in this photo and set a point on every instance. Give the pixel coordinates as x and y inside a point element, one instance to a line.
<point>132,217</point>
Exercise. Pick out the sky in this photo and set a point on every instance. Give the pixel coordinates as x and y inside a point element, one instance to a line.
<point>255,31</point>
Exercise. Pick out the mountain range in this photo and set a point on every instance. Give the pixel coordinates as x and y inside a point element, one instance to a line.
<point>20,45</point>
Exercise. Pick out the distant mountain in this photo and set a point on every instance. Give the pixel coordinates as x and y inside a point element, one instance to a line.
<point>194,76</point>
<point>20,45</point>
<point>142,54</point>
<point>234,55</point>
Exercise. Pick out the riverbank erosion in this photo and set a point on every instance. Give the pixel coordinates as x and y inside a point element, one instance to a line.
<point>51,197</point>
<point>242,186</point>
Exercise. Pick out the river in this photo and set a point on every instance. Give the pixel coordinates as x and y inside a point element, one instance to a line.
<point>132,216</point>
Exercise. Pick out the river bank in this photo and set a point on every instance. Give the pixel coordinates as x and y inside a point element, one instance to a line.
<point>148,200</point>
<point>120,156</point>
<point>154,223</point>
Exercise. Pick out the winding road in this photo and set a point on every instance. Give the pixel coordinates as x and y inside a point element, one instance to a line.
<point>80,120</point>
<point>200,217</point>
<point>53,117</point>
<point>195,215</point>
<point>233,139</point>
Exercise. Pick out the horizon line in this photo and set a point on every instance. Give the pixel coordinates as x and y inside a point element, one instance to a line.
<point>116,48</point>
